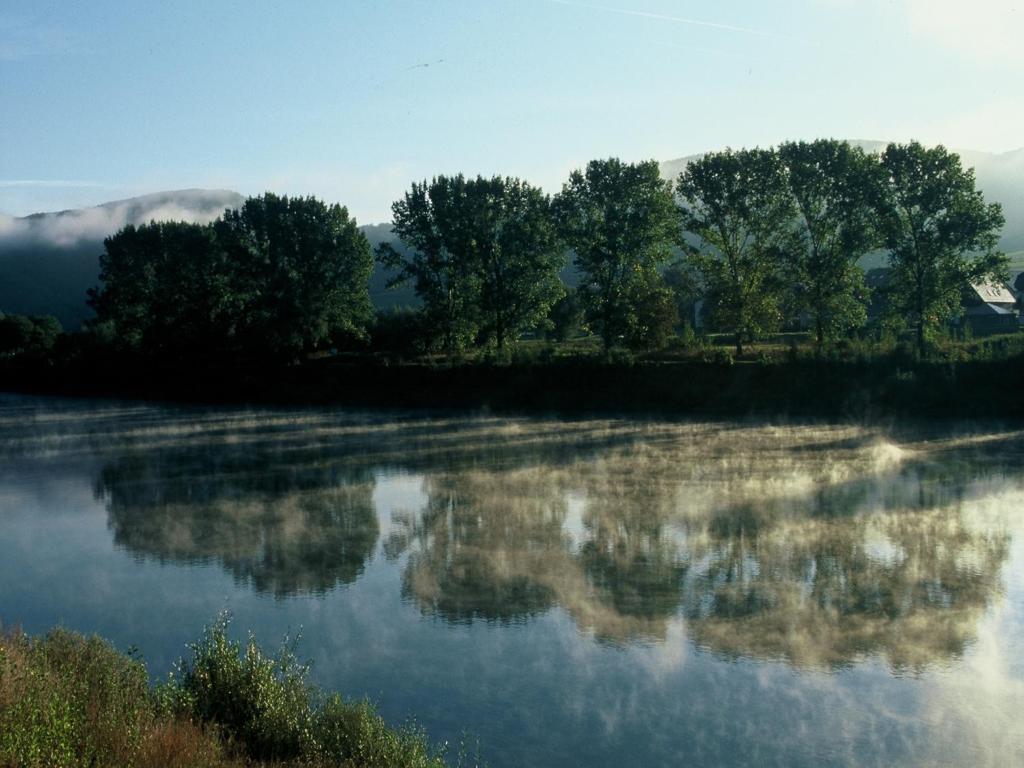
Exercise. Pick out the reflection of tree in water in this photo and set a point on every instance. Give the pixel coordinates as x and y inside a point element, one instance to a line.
<point>483,548</point>
<point>910,585</point>
<point>282,531</point>
<point>818,546</point>
<point>284,501</point>
<point>818,560</point>
<point>495,546</point>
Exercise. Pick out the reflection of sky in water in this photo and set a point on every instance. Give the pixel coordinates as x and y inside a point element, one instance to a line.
<point>584,592</point>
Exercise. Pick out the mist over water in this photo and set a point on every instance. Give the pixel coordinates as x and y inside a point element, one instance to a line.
<point>589,592</point>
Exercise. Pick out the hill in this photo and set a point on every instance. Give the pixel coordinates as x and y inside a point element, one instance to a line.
<point>49,260</point>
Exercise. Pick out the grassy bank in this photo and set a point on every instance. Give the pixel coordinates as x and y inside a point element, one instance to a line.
<point>67,700</point>
<point>779,385</point>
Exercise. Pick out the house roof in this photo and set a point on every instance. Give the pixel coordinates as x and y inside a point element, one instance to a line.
<point>992,292</point>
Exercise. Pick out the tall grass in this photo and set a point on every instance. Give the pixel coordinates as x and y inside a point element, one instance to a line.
<point>68,701</point>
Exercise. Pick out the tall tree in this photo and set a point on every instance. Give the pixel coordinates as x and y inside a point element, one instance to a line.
<point>836,188</point>
<point>620,220</point>
<point>163,289</point>
<point>517,256</point>
<point>484,256</point>
<point>940,232</point>
<point>738,204</point>
<point>302,270</point>
<point>431,220</point>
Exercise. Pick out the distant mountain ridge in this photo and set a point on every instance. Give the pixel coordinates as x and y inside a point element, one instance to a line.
<point>49,260</point>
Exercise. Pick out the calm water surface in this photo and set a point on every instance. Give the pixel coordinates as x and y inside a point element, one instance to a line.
<point>595,592</point>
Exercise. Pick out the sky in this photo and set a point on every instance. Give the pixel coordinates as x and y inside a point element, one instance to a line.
<point>352,100</point>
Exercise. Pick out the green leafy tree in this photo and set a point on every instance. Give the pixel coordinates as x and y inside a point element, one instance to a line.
<point>684,281</point>
<point>620,221</point>
<point>484,256</point>
<point>163,288</point>
<point>517,256</point>
<point>128,267</point>
<point>15,334</point>
<point>46,329</point>
<point>431,220</point>
<point>738,204</point>
<point>836,188</point>
<point>565,319</point>
<point>940,232</point>
<point>167,290</point>
<point>302,270</point>
<point>20,335</point>
<point>278,277</point>
<point>656,314</point>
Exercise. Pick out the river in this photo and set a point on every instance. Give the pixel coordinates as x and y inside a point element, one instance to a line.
<point>563,592</point>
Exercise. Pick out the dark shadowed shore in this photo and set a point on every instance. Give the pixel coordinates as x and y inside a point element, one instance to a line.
<point>867,390</point>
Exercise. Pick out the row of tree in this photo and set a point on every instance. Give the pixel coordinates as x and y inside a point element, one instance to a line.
<point>759,234</point>
<point>790,225</point>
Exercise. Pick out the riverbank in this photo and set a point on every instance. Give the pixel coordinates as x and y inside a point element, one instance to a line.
<point>881,387</point>
<point>68,700</point>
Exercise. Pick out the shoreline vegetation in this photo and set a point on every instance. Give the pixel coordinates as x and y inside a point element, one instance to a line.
<point>737,289</point>
<point>70,701</point>
<point>975,379</point>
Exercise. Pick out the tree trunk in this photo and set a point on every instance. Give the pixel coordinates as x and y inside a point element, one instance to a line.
<point>920,320</point>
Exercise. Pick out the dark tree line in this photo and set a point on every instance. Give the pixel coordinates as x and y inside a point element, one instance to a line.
<point>764,236</point>
<point>28,335</point>
<point>280,277</point>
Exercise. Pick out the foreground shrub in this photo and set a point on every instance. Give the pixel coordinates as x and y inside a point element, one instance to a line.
<point>262,702</point>
<point>348,731</point>
<point>267,708</point>
<point>180,743</point>
<point>67,701</point>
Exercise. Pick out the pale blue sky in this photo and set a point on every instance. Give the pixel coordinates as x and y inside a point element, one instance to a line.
<point>351,100</point>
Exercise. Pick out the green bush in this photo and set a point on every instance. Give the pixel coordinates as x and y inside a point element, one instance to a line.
<point>718,356</point>
<point>260,701</point>
<point>266,706</point>
<point>355,732</point>
<point>67,701</point>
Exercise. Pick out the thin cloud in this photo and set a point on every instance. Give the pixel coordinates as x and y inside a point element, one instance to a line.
<point>672,19</point>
